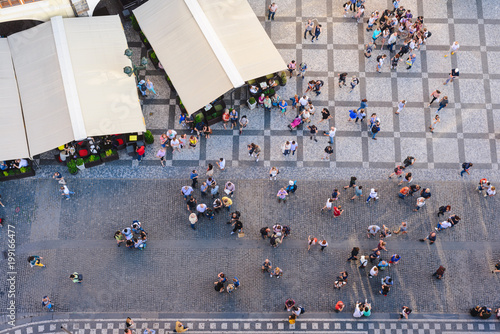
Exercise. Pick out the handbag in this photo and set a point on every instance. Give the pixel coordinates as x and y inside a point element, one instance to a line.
<point>241,234</point>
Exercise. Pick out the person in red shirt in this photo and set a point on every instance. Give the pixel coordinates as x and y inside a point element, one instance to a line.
<point>404,192</point>
<point>339,306</point>
<point>337,211</point>
<point>140,152</point>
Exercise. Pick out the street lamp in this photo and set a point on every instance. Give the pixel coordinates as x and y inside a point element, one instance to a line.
<point>129,70</point>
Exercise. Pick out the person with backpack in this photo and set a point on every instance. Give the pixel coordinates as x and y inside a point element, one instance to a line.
<point>35,260</point>
<point>405,312</point>
<point>375,129</point>
<point>142,87</point>
<point>76,277</point>
<point>380,62</point>
<point>302,69</point>
<point>292,187</point>
<point>466,166</point>
<point>317,87</point>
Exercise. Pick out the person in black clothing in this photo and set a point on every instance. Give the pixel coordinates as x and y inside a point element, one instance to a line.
<point>354,254</point>
<point>409,161</point>
<point>342,77</point>
<point>439,272</point>
<point>375,255</point>
<point>425,193</point>
<point>454,220</point>
<point>191,204</point>
<point>234,216</point>
<point>443,209</point>
<point>264,232</point>
<point>404,50</point>
<point>238,225</point>
<point>328,152</point>
<point>413,189</point>
<point>352,183</point>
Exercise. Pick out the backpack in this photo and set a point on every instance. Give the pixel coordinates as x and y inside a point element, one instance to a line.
<point>429,34</point>
<point>80,277</point>
<point>302,310</point>
<point>464,165</point>
<point>396,169</point>
<point>143,87</point>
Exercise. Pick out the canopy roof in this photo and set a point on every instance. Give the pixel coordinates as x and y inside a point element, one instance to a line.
<point>207,47</point>
<point>74,87</point>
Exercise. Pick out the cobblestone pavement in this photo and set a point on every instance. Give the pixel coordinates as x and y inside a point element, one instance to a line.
<point>469,127</point>
<point>177,270</point>
<point>261,324</point>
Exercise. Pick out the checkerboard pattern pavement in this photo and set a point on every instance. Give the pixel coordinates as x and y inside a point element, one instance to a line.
<point>469,130</point>
<point>103,326</point>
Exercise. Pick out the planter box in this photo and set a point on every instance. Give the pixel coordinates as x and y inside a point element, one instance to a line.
<point>214,120</point>
<point>93,163</point>
<point>29,173</point>
<point>251,106</point>
<point>112,157</point>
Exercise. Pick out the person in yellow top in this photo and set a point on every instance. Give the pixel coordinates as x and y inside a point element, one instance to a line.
<point>227,202</point>
<point>180,328</point>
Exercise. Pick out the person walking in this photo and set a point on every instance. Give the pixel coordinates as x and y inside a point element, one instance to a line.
<point>434,123</point>
<point>285,148</point>
<point>404,192</point>
<point>354,83</point>
<point>337,211</point>
<point>59,178</point>
<point>323,244</point>
<point>330,134</point>
<point>66,192</point>
<point>328,153</point>
<point>434,96</point>
<point>431,237</point>
<point>439,272</point>
<point>293,147</point>
<point>373,272</point>
<point>420,203</point>
<point>309,28</point>
<point>194,178</point>
<point>193,219</point>
<point>443,209</point>
<point>454,74</point>
<point>408,178</point>
<point>76,277</point>
<point>405,312</point>
<point>317,87</point>
<point>342,77</point>
<point>453,48</point>
<point>151,87</point>
<point>291,67</point>
<point>313,131</point>
<point>380,62</point>
<point>317,32</point>
<point>401,105</point>
<point>391,42</point>
<point>394,259</point>
<point>277,272</point>
<point>466,166</point>
<point>302,70</point>
<point>358,192</point>
<point>403,228</point>
<point>354,254</point>
<point>46,302</point>
<point>411,60</point>
<point>36,261</point>
<point>375,129</point>
<point>273,8</point>
<point>180,328</point>
<point>244,122</point>
<point>352,183</point>
<point>395,61</point>
<point>443,103</point>
<point>373,195</point>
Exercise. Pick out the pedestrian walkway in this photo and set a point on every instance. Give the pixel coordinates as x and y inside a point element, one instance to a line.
<point>310,323</point>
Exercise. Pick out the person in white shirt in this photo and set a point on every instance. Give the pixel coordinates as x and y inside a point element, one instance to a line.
<point>293,147</point>
<point>304,101</point>
<point>66,192</point>
<point>331,134</point>
<point>490,191</point>
<point>186,191</point>
<point>221,163</point>
<point>443,225</point>
<point>453,48</point>
<point>357,311</point>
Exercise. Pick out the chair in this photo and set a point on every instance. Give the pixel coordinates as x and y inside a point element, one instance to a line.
<point>131,149</point>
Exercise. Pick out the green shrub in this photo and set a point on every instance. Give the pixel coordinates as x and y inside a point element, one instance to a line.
<point>23,169</point>
<point>79,162</point>
<point>5,173</point>
<point>148,137</point>
<point>251,100</point>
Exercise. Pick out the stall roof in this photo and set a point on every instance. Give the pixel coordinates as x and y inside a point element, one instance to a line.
<point>207,47</point>
<point>13,142</point>
<point>75,86</point>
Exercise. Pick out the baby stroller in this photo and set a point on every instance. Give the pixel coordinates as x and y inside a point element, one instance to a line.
<point>295,123</point>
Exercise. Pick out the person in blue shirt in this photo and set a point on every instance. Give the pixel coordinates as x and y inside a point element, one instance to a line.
<point>194,178</point>
<point>283,105</point>
<point>236,282</point>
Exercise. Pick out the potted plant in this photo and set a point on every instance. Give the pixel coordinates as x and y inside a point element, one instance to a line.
<point>26,171</point>
<point>109,155</point>
<point>72,167</point>
<point>154,58</point>
<point>283,78</point>
<point>252,103</point>
<point>80,164</point>
<point>148,137</point>
<point>92,161</point>
<point>135,24</point>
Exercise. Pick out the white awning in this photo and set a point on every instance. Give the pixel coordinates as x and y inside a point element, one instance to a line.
<point>13,143</point>
<point>208,47</point>
<point>75,86</point>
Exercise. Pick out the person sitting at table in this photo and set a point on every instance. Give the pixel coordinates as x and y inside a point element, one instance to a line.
<point>273,83</point>
<point>254,90</point>
<point>261,99</point>
<point>64,153</point>
<point>207,131</point>
<point>19,163</point>
<point>3,165</point>
<point>275,99</point>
